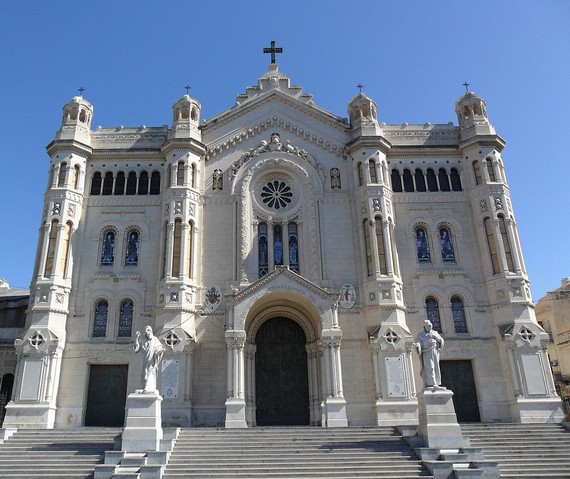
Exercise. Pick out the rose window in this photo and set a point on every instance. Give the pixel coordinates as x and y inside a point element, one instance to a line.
<point>276,194</point>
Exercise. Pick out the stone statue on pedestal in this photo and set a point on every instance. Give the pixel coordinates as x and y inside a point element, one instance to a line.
<point>153,355</point>
<point>428,343</point>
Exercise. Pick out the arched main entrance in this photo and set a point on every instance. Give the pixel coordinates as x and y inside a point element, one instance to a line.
<point>281,374</point>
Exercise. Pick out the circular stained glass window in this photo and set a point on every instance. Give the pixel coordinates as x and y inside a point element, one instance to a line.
<point>276,194</point>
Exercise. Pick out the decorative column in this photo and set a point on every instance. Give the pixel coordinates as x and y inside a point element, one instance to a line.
<point>235,402</point>
<point>250,408</point>
<point>335,404</point>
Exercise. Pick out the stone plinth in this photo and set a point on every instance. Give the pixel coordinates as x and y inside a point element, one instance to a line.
<point>437,420</point>
<point>235,414</point>
<point>143,428</point>
<point>336,412</point>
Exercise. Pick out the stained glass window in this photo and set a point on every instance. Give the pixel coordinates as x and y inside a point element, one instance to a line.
<point>431,180</point>
<point>132,249</point>
<point>96,183</point>
<point>447,252</point>
<point>373,175</point>
<point>126,319</point>
<point>381,246</point>
<point>263,249</point>
<point>100,320</point>
<point>455,180</point>
<point>278,245</point>
<point>293,247</point>
<point>458,313</point>
<point>491,242</point>
<point>432,313</point>
<point>368,246</point>
<point>422,246</point>
<point>108,248</point>
<point>396,181</point>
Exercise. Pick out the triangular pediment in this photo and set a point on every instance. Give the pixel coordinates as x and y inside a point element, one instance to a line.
<point>283,279</point>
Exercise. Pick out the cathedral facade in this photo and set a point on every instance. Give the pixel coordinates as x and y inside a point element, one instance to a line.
<point>286,258</point>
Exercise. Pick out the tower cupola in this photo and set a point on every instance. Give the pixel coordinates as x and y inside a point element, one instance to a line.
<point>363,114</point>
<point>471,112</point>
<point>186,118</point>
<point>76,121</point>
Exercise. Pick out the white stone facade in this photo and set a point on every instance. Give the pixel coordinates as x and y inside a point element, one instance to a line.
<point>353,230</point>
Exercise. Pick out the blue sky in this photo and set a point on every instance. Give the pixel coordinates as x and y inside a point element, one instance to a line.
<point>134,59</point>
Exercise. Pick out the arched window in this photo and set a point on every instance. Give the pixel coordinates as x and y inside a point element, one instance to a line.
<point>446,244</point>
<point>432,313</point>
<point>408,181</point>
<point>455,180</point>
<point>108,183</point>
<point>492,244</point>
<point>193,175</point>
<point>278,245</point>
<point>422,246</point>
<point>120,183</point>
<point>143,183</point>
<point>100,319</point>
<point>185,113</point>
<point>180,174</point>
<point>506,244</point>
<point>176,248</point>
<point>126,319</point>
<point>293,247</point>
<point>194,114</point>
<point>132,183</point>
<point>381,245</point>
<point>108,248</point>
<point>372,168</point>
<point>73,115</point>
<point>420,180</point>
<point>132,249</point>
<point>62,174</point>
<point>490,169</point>
<point>190,247</point>
<point>396,181</point>
<point>263,249</point>
<point>82,116</point>
<point>443,180</point>
<point>75,178</point>
<point>96,183</point>
<point>164,251</point>
<point>368,246</point>
<point>458,313</point>
<point>431,180</point>
<point>155,183</point>
<point>360,174</point>
<point>477,172</point>
<point>64,248</point>
<point>50,253</point>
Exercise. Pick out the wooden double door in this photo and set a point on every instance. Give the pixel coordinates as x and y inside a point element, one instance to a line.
<point>281,374</point>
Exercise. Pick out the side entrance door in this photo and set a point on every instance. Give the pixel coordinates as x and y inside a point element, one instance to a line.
<point>107,395</point>
<point>281,374</point>
<point>458,376</point>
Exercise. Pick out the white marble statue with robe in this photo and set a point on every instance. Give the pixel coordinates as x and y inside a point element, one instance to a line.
<point>154,350</point>
<point>428,344</point>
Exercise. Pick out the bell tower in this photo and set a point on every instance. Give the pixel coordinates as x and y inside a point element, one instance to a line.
<point>41,347</point>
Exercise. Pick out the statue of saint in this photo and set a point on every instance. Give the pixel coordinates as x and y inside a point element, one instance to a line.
<point>154,350</point>
<point>428,343</point>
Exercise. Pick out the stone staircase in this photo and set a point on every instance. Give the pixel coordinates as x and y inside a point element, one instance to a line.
<point>55,453</point>
<point>524,451</point>
<point>281,452</point>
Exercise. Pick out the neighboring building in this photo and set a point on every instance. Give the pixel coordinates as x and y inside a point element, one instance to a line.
<point>13,305</point>
<point>286,257</point>
<point>553,313</point>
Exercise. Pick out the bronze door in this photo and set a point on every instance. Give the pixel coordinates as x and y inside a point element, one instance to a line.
<point>281,374</point>
<point>458,376</point>
<point>107,395</point>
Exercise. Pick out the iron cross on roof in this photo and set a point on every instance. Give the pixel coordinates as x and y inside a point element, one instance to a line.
<point>273,50</point>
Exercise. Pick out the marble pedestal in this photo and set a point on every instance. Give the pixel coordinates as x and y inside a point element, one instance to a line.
<point>336,412</point>
<point>143,425</point>
<point>235,414</point>
<point>437,420</point>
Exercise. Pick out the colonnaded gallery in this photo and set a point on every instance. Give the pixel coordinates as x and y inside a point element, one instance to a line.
<point>286,257</point>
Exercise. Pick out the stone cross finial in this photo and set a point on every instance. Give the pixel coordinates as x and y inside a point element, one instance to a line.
<point>466,85</point>
<point>81,90</point>
<point>187,87</point>
<point>360,86</point>
<point>273,50</point>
